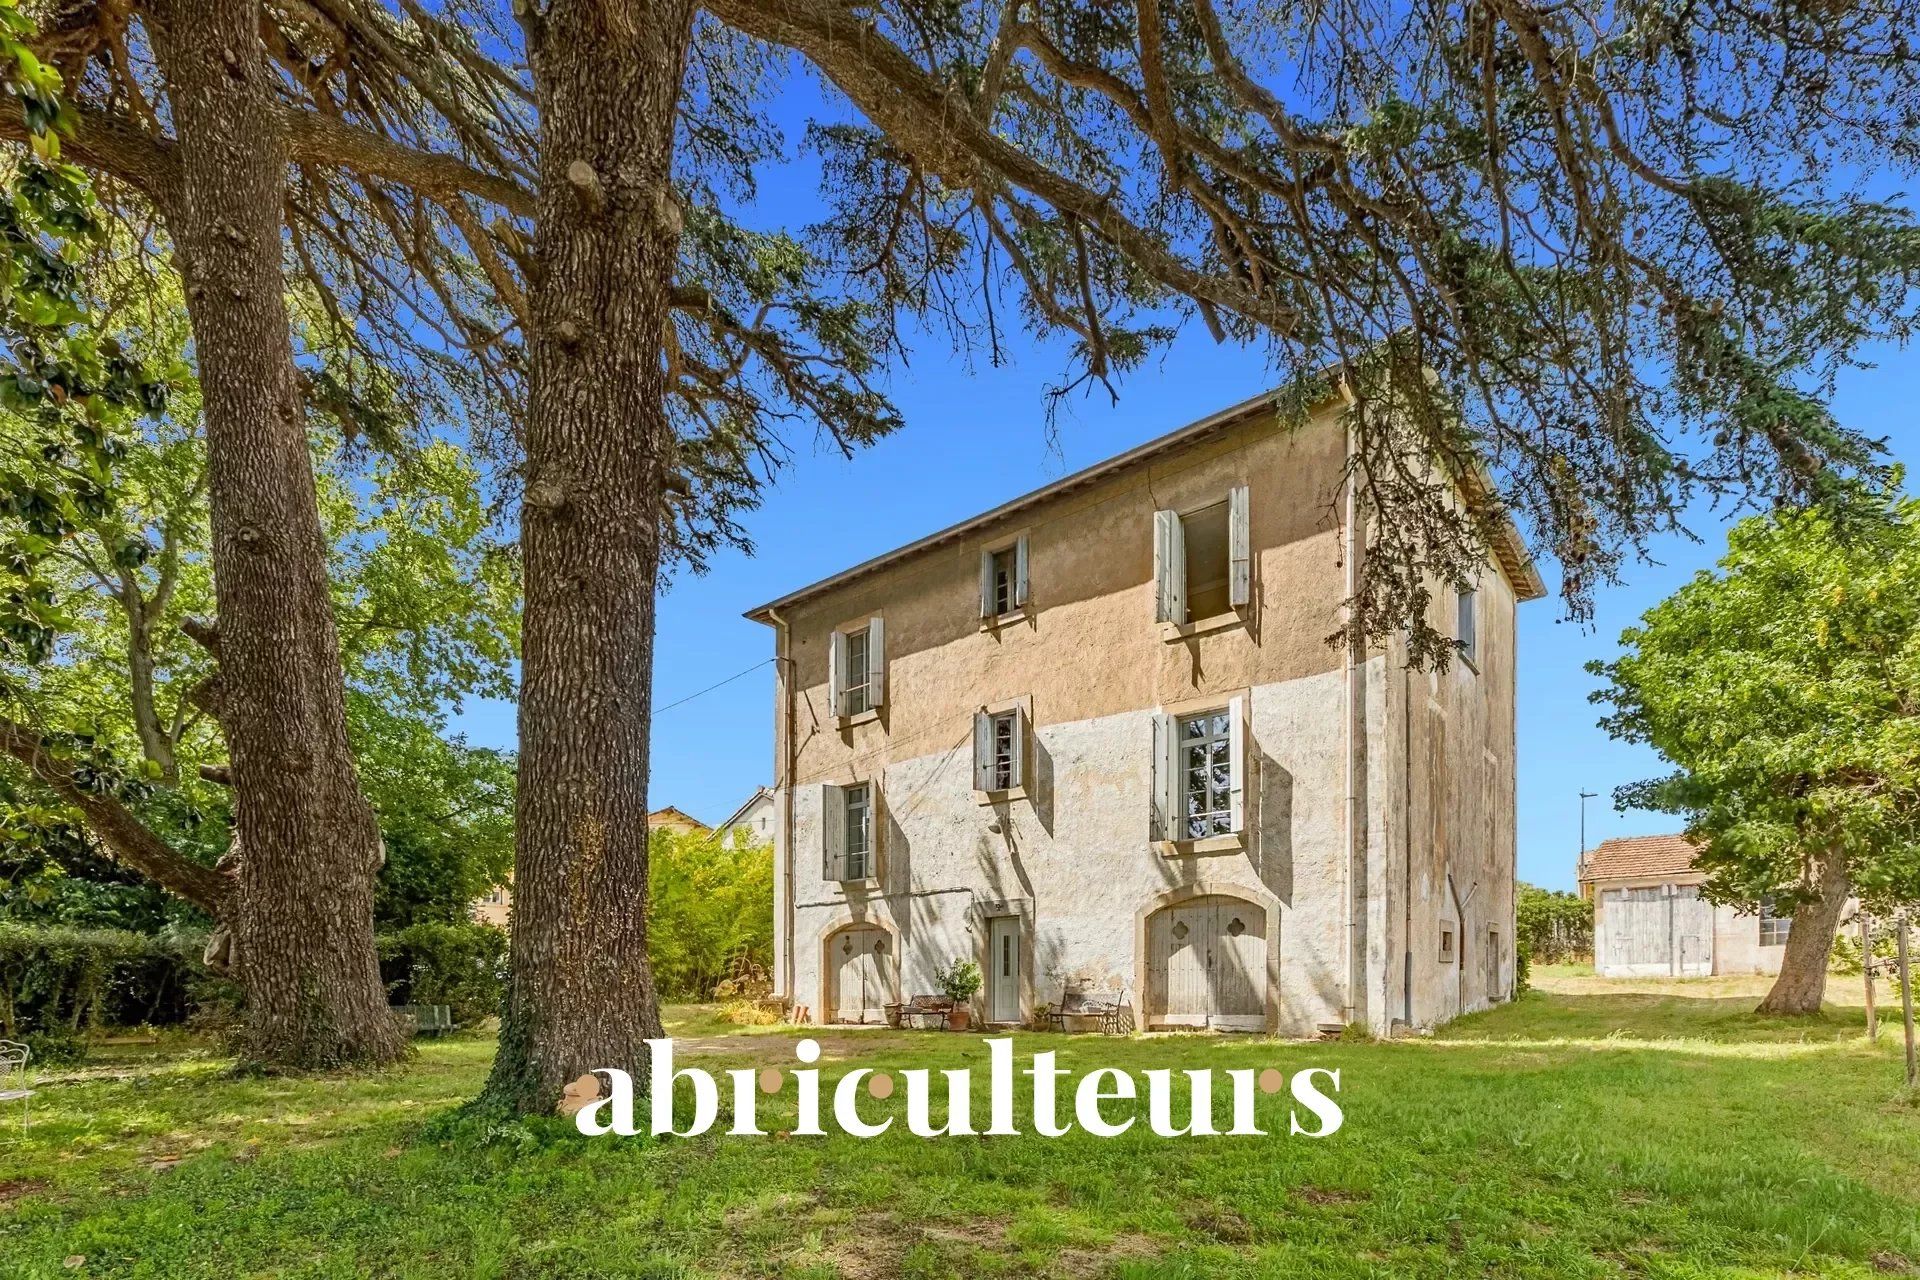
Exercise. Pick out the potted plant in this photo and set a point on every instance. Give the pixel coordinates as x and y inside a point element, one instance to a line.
<point>960,982</point>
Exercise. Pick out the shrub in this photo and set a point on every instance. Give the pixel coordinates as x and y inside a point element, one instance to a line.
<point>710,910</point>
<point>1522,968</point>
<point>463,966</point>
<point>1554,925</point>
<point>959,981</point>
<point>57,983</point>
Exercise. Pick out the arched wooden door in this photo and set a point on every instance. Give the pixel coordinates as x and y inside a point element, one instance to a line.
<point>1207,964</point>
<point>860,968</point>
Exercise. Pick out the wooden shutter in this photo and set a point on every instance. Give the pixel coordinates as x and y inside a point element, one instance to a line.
<point>837,674</point>
<point>1239,549</point>
<point>833,832</point>
<point>1169,568</point>
<point>982,751</point>
<point>987,609</point>
<point>1165,775</point>
<point>876,661</point>
<point>1019,746</point>
<point>1020,572</point>
<point>1237,761</point>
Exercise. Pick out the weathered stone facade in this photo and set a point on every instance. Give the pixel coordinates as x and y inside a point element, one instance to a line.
<point>1375,806</point>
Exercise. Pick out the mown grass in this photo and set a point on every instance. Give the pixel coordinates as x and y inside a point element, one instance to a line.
<point>1585,1131</point>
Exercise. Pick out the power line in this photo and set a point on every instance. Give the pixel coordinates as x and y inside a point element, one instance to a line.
<point>710,688</point>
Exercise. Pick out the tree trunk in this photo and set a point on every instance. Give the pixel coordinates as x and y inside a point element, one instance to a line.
<point>1802,984</point>
<point>607,77</point>
<point>304,923</point>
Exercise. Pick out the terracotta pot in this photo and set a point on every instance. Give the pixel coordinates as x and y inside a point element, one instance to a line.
<point>958,1017</point>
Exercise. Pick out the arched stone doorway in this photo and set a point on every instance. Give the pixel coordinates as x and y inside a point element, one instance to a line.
<point>1208,964</point>
<point>862,970</point>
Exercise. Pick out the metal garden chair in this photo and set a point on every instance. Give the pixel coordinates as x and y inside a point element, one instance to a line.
<point>13,1079</point>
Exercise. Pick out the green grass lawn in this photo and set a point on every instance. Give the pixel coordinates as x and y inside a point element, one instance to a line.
<point>1592,1129</point>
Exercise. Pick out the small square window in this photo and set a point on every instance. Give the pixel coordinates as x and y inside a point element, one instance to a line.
<point>1446,944</point>
<point>1773,928</point>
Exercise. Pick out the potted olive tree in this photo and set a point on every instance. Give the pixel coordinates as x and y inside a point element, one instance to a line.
<point>960,982</point>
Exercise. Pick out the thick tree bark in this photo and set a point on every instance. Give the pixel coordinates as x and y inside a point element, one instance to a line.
<point>1802,984</point>
<point>304,924</point>
<point>607,76</point>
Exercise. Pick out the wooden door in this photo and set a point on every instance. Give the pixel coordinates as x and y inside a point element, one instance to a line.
<point>1003,969</point>
<point>1207,964</point>
<point>860,958</point>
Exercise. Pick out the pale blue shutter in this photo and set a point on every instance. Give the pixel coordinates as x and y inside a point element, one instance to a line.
<point>876,661</point>
<point>1237,759</point>
<point>1169,568</point>
<point>1239,548</point>
<point>1020,572</point>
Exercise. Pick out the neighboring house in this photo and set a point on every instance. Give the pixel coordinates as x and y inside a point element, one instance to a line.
<point>1097,735</point>
<point>495,906</point>
<point>1649,919</point>
<point>754,818</point>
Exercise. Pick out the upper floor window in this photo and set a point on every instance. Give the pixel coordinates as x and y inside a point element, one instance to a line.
<point>1203,560</point>
<point>847,831</point>
<point>1773,928</point>
<point>1200,770</point>
<point>1003,579</point>
<point>1468,625</point>
<point>856,669</point>
<point>999,750</point>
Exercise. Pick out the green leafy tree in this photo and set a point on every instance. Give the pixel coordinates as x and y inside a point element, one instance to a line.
<point>1553,924</point>
<point>711,911</point>
<point>1785,689</point>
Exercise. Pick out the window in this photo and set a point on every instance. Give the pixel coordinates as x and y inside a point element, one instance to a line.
<point>854,696</point>
<point>857,668</point>
<point>1003,579</point>
<point>1773,928</point>
<point>1446,942</point>
<point>859,819</point>
<point>1206,780</point>
<point>1200,773</point>
<point>1203,563</point>
<point>847,831</point>
<point>999,750</point>
<point>1468,627</point>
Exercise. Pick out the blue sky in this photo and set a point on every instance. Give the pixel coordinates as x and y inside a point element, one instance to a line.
<point>976,436</point>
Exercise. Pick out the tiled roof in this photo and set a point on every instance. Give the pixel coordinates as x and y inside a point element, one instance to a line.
<point>1625,857</point>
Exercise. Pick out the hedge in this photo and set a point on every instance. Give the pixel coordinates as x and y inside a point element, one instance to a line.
<point>58,984</point>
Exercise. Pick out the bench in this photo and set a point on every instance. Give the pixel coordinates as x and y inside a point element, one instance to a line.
<point>427,1019</point>
<point>922,1013</point>
<point>1110,1008</point>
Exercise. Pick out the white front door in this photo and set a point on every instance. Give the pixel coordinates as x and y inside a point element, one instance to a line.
<point>1003,969</point>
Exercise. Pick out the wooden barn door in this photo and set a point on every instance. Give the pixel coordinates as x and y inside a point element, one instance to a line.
<point>860,958</point>
<point>1207,965</point>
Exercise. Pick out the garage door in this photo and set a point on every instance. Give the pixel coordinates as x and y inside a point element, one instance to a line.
<point>860,960</point>
<point>1655,931</point>
<point>1207,965</point>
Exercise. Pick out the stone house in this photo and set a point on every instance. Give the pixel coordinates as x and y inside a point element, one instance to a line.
<point>754,819</point>
<point>1098,735</point>
<point>1649,919</point>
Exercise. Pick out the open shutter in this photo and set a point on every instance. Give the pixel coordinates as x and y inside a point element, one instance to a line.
<point>1019,746</point>
<point>1169,568</point>
<point>1164,774</point>
<point>833,833</point>
<point>1239,549</point>
<point>837,674</point>
<point>1237,761</point>
<point>1020,572</point>
<point>982,751</point>
<point>876,661</point>
<point>987,602</point>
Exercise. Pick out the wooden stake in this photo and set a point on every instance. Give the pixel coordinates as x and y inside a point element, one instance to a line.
<point>1906,1004</point>
<point>1866,967</point>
